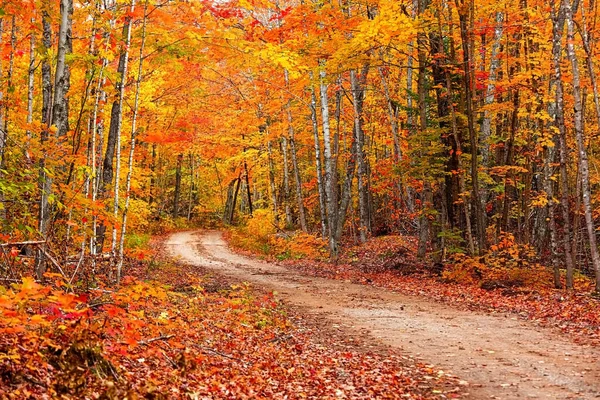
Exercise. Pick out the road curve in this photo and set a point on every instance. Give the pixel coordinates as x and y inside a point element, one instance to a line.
<point>500,356</point>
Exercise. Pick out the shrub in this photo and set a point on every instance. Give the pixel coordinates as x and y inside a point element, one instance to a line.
<point>507,264</point>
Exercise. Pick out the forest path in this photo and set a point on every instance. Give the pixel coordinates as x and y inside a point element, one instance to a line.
<point>499,355</point>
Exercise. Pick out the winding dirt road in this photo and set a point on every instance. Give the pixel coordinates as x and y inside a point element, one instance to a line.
<point>500,356</point>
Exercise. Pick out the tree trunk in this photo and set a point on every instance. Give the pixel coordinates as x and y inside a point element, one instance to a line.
<point>330,182</point>
<point>248,194</point>
<point>422,99</point>
<point>558,21</point>
<point>393,118</point>
<point>297,179</point>
<point>192,187</point>
<point>464,10</point>
<point>321,189</point>
<point>272,184</point>
<point>113,141</point>
<point>119,126</point>
<point>579,134</point>
<point>30,87</point>
<point>286,183</point>
<point>486,126</point>
<point>136,103</point>
<point>357,84</point>
<point>177,193</point>
<point>60,107</point>
<point>45,182</point>
<point>232,193</point>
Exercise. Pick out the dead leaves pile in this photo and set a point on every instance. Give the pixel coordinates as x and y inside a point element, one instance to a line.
<point>186,339</point>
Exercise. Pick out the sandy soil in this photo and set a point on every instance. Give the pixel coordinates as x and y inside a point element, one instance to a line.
<point>500,356</point>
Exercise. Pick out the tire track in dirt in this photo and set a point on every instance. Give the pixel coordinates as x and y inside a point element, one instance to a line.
<point>500,356</point>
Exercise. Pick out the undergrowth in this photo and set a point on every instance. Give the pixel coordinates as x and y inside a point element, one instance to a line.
<point>171,332</point>
<point>261,236</point>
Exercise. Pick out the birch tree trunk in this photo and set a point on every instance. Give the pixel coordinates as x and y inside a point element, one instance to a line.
<point>30,86</point>
<point>9,77</point>
<point>486,126</point>
<point>56,112</point>
<point>579,134</point>
<point>317,141</point>
<point>45,181</point>
<point>62,75</point>
<point>136,102</point>
<point>558,21</point>
<point>119,127</point>
<point>330,183</point>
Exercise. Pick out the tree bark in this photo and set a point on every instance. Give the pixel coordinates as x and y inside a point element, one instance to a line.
<point>272,183</point>
<point>317,141</point>
<point>579,134</point>
<point>357,84</point>
<point>486,126</point>
<point>330,182</point>
<point>134,118</point>
<point>297,179</point>
<point>119,125</point>
<point>464,10</point>
<point>177,193</point>
<point>286,183</point>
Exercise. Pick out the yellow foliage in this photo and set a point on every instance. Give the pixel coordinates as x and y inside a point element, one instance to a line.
<point>508,263</point>
<point>261,224</point>
<point>138,215</point>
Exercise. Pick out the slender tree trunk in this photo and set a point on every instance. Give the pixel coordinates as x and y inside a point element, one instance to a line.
<point>97,121</point>
<point>30,87</point>
<point>286,183</point>
<point>9,77</point>
<point>60,107</point>
<point>579,134</point>
<point>113,141</point>
<point>422,99</point>
<point>357,84</point>
<point>297,179</point>
<point>177,193</point>
<point>248,193</point>
<point>320,186</point>
<point>192,187</point>
<point>486,126</point>
<point>272,183</point>
<point>134,118</point>
<point>330,183</point>
<point>45,182</point>
<point>230,210</point>
<point>590,64</point>
<point>119,126</point>
<point>393,118</point>
<point>558,20</point>
<point>57,112</point>
<point>464,10</point>
<point>152,199</point>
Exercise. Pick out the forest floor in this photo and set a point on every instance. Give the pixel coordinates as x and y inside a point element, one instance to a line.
<point>496,355</point>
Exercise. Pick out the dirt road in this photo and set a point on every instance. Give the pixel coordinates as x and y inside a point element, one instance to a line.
<point>500,356</point>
